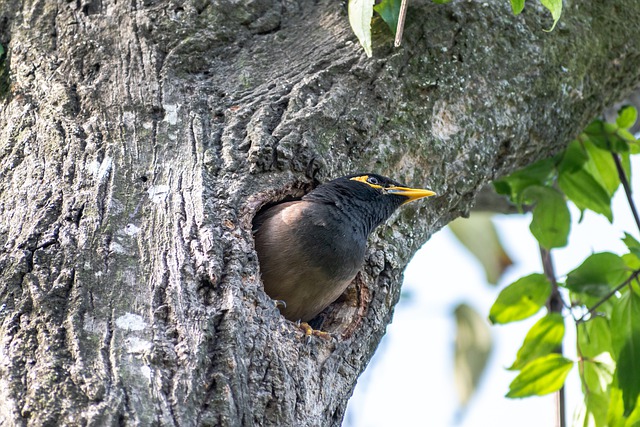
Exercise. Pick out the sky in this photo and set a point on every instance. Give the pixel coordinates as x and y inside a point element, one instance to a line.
<point>409,381</point>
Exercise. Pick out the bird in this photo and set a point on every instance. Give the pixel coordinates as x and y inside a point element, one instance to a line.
<point>309,250</point>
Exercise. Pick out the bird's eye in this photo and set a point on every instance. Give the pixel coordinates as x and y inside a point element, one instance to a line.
<point>373,180</point>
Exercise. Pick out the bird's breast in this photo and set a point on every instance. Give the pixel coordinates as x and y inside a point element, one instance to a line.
<point>308,253</point>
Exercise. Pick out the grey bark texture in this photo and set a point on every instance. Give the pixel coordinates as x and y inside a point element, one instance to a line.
<point>139,138</point>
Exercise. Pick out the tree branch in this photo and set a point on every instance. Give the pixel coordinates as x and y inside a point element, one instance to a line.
<point>627,188</point>
<point>609,295</point>
<point>555,304</point>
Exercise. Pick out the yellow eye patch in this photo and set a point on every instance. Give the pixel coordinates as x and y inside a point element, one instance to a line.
<point>365,179</point>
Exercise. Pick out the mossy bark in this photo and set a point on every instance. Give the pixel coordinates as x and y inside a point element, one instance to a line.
<point>139,138</point>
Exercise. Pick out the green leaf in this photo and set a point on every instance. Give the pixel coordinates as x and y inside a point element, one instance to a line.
<point>597,377</point>
<point>627,116</point>
<point>586,193</point>
<point>598,374</point>
<point>517,6</point>
<point>551,218</point>
<point>441,1</point>
<point>606,136</point>
<point>360,14</point>
<point>632,244</point>
<point>539,173</point>
<point>625,321</point>
<point>632,261</point>
<point>616,142</point>
<point>602,168</point>
<point>626,135</point>
<point>598,274</point>
<point>594,337</point>
<point>625,337</point>
<point>542,376</point>
<point>616,407</point>
<point>628,373</point>
<point>555,7</point>
<point>633,420</point>
<point>389,10</point>
<point>573,158</point>
<point>597,405</point>
<point>596,134</point>
<point>1,50</point>
<point>543,338</point>
<point>521,299</point>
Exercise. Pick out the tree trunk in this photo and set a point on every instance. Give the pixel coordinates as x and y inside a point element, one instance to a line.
<point>139,138</point>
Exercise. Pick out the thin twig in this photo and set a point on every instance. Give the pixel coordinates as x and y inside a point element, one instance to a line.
<point>555,302</point>
<point>555,305</point>
<point>400,26</point>
<point>609,295</point>
<point>627,188</point>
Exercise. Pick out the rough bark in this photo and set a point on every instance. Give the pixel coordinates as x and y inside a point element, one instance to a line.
<point>139,138</point>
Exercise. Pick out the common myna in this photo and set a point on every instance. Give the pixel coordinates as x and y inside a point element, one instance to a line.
<point>311,249</point>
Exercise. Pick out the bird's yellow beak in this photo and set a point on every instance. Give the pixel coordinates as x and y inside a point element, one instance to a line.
<point>411,193</point>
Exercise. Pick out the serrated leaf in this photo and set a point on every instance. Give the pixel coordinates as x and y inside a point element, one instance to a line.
<point>542,376</point>
<point>389,10</point>
<point>360,14</point>
<point>625,337</point>
<point>586,192</point>
<point>478,234</point>
<point>472,348</point>
<point>555,7</point>
<point>551,219</point>
<point>543,338</point>
<point>517,6</point>
<point>598,274</point>
<point>627,116</point>
<point>521,299</point>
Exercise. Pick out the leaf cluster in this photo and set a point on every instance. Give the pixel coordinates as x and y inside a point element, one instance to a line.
<point>603,292</point>
<point>586,173</point>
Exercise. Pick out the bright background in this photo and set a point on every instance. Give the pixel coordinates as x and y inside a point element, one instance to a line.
<point>409,381</point>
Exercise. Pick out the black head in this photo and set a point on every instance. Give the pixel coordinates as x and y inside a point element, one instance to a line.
<point>369,197</point>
